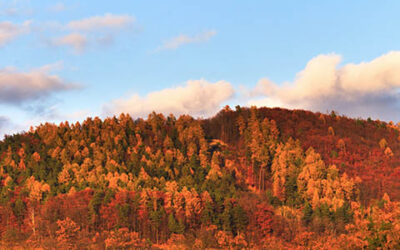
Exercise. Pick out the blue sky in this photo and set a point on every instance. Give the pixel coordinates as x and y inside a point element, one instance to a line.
<point>99,58</point>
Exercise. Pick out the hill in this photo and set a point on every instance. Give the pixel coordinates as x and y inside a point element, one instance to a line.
<point>245,178</point>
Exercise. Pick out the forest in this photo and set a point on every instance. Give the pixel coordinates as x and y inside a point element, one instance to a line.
<point>248,178</point>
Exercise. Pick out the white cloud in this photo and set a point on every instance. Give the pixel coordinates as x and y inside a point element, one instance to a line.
<point>17,88</point>
<point>108,21</point>
<point>58,7</point>
<point>9,31</point>
<point>75,40</point>
<point>267,102</point>
<point>96,30</point>
<point>197,97</point>
<point>51,67</point>
<point>366,89</point>
<point>181,40</point>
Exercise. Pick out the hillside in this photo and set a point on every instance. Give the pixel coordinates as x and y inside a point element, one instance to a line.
<point>245,178</point>
<point>364,148</point>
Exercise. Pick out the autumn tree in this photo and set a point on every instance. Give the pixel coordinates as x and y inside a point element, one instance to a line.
<point>67,233</point>
<point>286,166</point>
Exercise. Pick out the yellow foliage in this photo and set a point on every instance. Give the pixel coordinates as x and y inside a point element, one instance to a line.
<point>388,152</point>
<point>8,180</point>
<point>319,184</point>
<point>383,143</point>
<point>64,176</point>
<point>284,165</point>
<point>331,131</point>
<point>36,188</point>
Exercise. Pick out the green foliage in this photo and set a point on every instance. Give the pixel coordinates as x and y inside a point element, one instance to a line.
<point>381,203</point>
<point>271,199</point>
<point>174,226</point>
<point>307,213</point>
<point>226,217</point>
<point>240,219</point>
<point>109,194</point>
<point>124,212</point>
<point>323,211</point>
<point>376,242</point>
<point>156,217</point>
<point>293,198</point>
<point>360,122</point>
<point>12,234</point>
<point>96,202</point>
<point>19,208</point>
<point>343,214</point>
<point>207,215</point>
<point>5,195</point>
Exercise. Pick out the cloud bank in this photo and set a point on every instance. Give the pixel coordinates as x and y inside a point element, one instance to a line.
<point>181,40</point>
<point>9,31</point>
<point>364,89</point>
<point>197,98</point>
<point>17,88</point>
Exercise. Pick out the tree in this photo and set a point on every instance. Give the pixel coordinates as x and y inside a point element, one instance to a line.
<point>307,213</point>
<point>286,166</point>
<point>331,131</point>
<point>240,219</point>
<point>226,217</point>
<point>383,143</point>
<point>94,207</point>
<point>175,226</point>
<point>262,143</point>
<point>19,209</point>
<point>123,239</point>
<point>68,232</point>
<point>264,219</point>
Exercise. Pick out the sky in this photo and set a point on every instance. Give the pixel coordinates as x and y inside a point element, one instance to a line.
<point>67,60</point>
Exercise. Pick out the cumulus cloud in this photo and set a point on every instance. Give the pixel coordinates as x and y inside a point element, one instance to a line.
<point>75,40</point>
<point>108,21</point>
<point>181,40</point>
<point>364,89</point>
<point>197,97</point>
<point>9,31</point>
<point>17,88</point>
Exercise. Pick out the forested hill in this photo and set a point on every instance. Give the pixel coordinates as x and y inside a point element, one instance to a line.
<point>365,148</point>
<point>245,178</point>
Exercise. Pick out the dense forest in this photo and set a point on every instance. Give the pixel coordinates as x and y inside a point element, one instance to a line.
<point>245,178</point>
